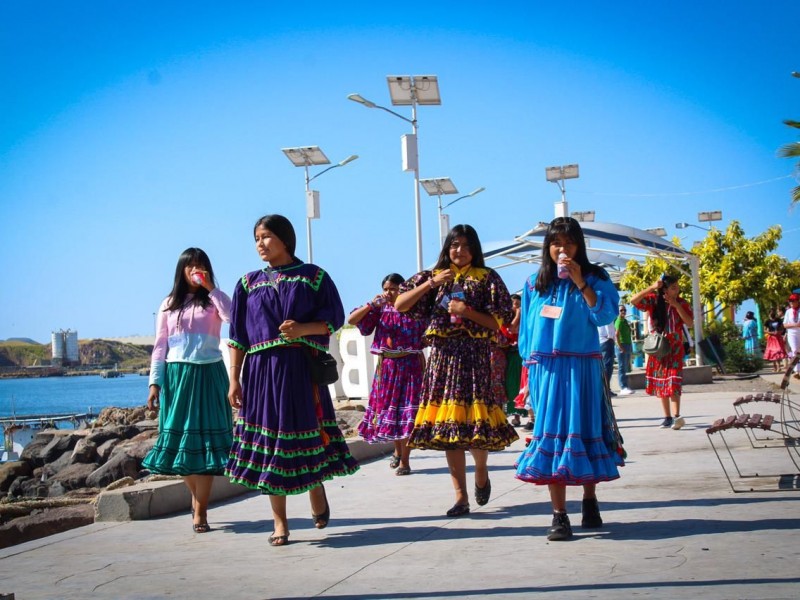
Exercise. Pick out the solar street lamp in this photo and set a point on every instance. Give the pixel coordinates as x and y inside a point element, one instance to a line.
<point>307,156</point>
<point>557,175</point>
<point>409,90</point>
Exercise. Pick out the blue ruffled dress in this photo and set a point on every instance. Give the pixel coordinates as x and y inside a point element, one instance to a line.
<point>573,439</point>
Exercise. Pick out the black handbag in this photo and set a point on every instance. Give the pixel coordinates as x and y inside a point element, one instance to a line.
<point>323,367</point>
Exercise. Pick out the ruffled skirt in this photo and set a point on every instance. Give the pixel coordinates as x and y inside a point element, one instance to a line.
<point>776,348</point>
<point>393,400</point>
<point>573,440</point>
<point>459,408</point>
<point>194,421</point>
<point>664,375</point>
<point>286,440</point>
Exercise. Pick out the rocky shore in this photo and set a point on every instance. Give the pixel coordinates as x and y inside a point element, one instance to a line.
<point>54,485</point>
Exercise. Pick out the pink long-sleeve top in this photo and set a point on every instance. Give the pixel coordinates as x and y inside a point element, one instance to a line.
<point>191,334</point>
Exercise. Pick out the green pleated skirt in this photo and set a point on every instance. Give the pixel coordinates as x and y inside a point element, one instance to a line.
<point>195,427</point>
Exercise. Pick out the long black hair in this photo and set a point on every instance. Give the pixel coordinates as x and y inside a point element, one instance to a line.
<point>572,229</point>
<point>180,287</point>
<point>660,312</point>
<point>474,243</point>
<point>281,227</point>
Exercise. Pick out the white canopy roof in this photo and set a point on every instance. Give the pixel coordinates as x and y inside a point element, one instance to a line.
<point>629,242</point>
<point>625,243</point>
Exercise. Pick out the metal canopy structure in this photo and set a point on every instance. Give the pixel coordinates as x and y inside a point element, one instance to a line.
<point>610,245</point>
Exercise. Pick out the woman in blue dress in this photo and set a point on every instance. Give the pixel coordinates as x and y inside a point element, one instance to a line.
<point>574,440</point>
<point>285,439</point>
<point>750,333</point>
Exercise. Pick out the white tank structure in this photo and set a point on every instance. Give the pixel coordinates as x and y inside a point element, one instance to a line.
<point>57,341</point>
<point>71,352</point>
<point>65,347</point>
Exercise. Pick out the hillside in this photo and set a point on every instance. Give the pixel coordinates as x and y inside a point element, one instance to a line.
<point>92,352</point>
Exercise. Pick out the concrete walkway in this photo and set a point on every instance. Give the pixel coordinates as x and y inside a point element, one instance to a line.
<point>673,529</point>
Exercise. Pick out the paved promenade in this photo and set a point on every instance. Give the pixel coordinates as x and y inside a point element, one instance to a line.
<point>673,529</point>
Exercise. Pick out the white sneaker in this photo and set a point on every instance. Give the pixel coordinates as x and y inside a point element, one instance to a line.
<point>626,392</point>
<point>678,423</point>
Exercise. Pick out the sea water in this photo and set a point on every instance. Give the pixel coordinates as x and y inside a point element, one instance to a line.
<point>80,394</point>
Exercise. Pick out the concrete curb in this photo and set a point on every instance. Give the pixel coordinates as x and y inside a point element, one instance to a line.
<point>150,499</point>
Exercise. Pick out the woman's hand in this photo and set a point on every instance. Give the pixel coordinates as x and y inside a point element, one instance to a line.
<point>574,270</point>
<point>457,307</point>
<point>378,300</point>
<point>152,397</point>
<point>291,330</point>
<point>442,277</point>
<point>235,394</point>
<point>205,279</point>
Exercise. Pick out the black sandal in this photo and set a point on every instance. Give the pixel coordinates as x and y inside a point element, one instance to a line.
<point>458,510</point>
<point>279,540</point>
<point>321,521</point>
<point>201,527</point>
<point>482,494</point>
<point>394,462</point>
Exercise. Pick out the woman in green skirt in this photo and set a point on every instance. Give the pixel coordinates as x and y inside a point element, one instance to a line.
<point>189,383</point>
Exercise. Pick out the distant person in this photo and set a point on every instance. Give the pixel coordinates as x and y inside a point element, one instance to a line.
<point>775,351</point>
<point>668,314</point>
<point>574,441</point>
<point>607,335</point>
<point>624,349</point>
<point>750,333</point>
<point>397,385</point>
<point>189,384</point>
<point>513,362</point>
<point>286,440</point>
<point>791,323</point>
<point>462,302</point>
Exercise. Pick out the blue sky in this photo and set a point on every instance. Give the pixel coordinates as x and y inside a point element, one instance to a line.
<point>132,130</point>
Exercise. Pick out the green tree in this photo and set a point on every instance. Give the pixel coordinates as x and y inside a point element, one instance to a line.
<point>733,269</point>
<point>792,150</point>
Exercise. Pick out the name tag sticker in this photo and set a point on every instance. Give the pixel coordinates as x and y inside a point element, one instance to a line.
<point>551,312</point>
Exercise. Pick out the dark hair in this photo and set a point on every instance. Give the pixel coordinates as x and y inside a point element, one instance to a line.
<point>572,229</point>
<point>474,243</point>
<point>180,287</point>
<point>281,227</point>
<point>516,297</point>
<point>395,278</point>
<point>660,312</point>
<point>750,316</point>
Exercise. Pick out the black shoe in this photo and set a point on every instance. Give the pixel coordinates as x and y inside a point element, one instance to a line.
<point>561,529</point>
<point>591,518</point>
<point>482,494</point>
<point>458,510</point>
<point>528,426</point>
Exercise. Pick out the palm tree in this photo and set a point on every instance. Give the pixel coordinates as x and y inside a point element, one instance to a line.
<point>792,150</point>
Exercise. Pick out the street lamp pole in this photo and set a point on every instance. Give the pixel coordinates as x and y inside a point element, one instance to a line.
<point>305,157</point>
<point>445,219</point>
<point>409,90</point>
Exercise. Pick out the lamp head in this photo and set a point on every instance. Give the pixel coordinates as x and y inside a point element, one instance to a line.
<point>349,159</point>
<point>361,100</point>
<point>681,225</point>
<point>478,191</point>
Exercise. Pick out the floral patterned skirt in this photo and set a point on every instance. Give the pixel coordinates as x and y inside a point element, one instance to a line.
<point>459,408</point>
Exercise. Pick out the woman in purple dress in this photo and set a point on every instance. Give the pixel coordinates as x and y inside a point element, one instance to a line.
<point>462,303</point>
<point>285,440</point>
<point>396,388</point>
